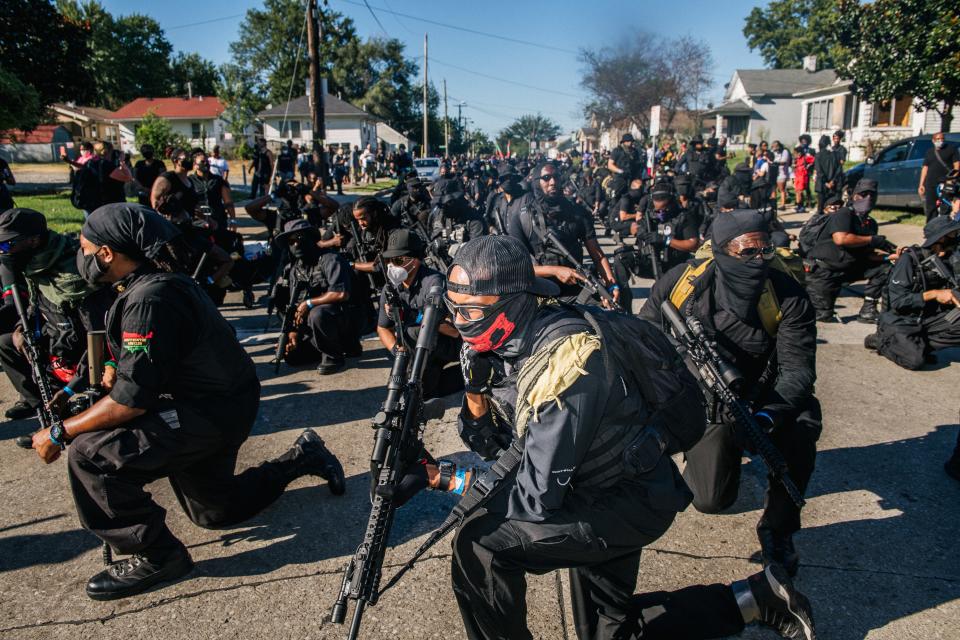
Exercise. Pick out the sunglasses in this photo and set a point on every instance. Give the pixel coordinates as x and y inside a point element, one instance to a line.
<point>549,177</point>
<point>475,312</point>
<point>765,251</point>
<point>399,261</point>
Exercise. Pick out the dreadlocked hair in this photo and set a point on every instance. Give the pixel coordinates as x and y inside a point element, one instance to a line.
<point>175,256</point>
<point>377,208</point>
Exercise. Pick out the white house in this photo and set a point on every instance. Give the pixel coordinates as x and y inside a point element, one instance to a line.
<point>197,119</point>
<point>346,125</point>
<point>389,138</point>
<point>867,126</point>
<point>762,104</point>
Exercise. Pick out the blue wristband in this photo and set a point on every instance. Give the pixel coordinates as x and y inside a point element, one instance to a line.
<point>459,482</point>
<point>613,287</point>
<point>70,392</point>
<point>309,303</point>
<point>54,440</point>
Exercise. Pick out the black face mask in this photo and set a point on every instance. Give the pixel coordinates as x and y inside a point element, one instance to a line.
<point>863,206</point>
<point>740,283</point>
<point>90,268</point>
<point>506,330</point>
<point>186,164</point>
<point>636,193</point>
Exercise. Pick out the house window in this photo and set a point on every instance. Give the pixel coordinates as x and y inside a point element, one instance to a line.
<point>851,112</point>
<point>819,114</point>
<point>195,130</point>
<point>295,128</point>
<point>893,113</point>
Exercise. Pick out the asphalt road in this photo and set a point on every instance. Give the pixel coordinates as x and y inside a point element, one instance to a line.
<point>879,554</point>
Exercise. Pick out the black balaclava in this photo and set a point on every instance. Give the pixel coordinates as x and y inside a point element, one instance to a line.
<point>824,143</point>
<point>864,206</point>
<point>739,282</point>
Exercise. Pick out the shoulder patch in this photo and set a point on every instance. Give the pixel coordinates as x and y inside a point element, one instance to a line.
<point>137,342</point>
<point>550,372</point>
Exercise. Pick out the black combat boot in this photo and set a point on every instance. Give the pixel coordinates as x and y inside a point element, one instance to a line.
<point>770,599</point>
<point>868,312</point>
<point>309,456</point>
<point>21,410</point>
<point>871,342</point>
<point>329,366</point>
<point>138,573</point>
<point>25,441</point>
<point>777,548</point>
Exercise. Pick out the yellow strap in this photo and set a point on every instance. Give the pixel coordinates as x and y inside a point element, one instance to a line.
<point>768,307</point>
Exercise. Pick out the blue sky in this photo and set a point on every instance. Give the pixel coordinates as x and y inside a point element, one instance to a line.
<point>491,103</point>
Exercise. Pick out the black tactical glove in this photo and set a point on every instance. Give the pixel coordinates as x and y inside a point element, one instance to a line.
<point>881,242</point>
<point>482,437</point>
<point>477,370</point>
<point>651,238</point>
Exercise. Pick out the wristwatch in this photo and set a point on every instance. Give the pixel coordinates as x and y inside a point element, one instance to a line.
<point>58,435</point>
<point>447,469</point>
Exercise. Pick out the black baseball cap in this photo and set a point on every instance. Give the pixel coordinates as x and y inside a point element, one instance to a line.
<point>865,185</point>
<point>937,228</point>
<point>445,191</point>
<point>21,223</point>
<point>403,242</point>
<point>833,200</point>
<point>496,266</point>
<point>299,225</point>
<point>627,137</point>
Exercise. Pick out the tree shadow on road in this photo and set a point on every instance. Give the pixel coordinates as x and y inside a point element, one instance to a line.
<point>32,549</point>
<point>863,574</point>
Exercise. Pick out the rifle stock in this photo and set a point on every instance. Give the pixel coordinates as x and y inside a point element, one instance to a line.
<point>718,377</point>
<point>651,251</point>
<point>34,356</point>
<point>397,442</point>
<point>287,325</point>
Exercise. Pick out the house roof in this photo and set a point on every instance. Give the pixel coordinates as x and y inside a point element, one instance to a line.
<point>43,134</point>
<point>83,113</point>
<point>735,108</point>
<point>201,107</point>
<point>300,107</point>
<point>836,85</point>
<point>783,82</point>
<point>588,132</point>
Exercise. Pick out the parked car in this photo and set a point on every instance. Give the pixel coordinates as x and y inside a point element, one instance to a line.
<point>427,168</point>
<point>897,170</point>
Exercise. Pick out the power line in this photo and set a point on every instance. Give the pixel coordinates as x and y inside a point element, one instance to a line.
<point>197,24</point>
<point>382,28</point>
<point>488,76</point>
<point>466,30</point>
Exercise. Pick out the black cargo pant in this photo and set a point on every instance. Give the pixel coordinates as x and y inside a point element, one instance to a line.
<point>713,468</point>
<point>824,282</point>
<point>109,469</point>
<point>908,343</point>
<point>600,542</point>
<point>332,330</point>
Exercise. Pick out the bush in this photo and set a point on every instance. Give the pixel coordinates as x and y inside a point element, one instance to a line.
<point>156,131</point>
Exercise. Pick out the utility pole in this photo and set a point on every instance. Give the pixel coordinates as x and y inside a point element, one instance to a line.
<point>426,113</point>
<point>446,123</point>
<point>317,115</point>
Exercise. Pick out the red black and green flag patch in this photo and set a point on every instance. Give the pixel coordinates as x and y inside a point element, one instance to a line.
<point>137,342</point>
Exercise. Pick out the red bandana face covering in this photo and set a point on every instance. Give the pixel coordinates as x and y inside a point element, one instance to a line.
<point>492,337</point>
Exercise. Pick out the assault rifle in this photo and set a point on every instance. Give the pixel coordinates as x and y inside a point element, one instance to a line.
<point>651,251</point>
<point>590,279</point>
<point>31,346</point>
<point>287,325</point>
<point>720,378</point>
<point>397,444</point>
<point>935,264</point>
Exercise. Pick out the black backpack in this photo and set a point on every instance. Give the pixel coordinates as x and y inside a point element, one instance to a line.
<point>810,232</point>
<point>655,370</point>
<point>85,186</point>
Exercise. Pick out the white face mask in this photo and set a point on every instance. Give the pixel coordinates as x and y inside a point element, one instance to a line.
<point>397,275</point>
<point>938,144</point>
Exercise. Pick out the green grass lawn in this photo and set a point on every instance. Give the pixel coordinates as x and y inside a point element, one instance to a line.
<point>381,184</point>
<point>903,216</point>
<point>61,216</point>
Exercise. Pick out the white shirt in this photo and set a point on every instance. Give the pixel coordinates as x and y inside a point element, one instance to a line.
<point>218,166</point>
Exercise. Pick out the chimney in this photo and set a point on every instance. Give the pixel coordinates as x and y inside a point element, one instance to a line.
<point>189,90</point>
<point>810,64</point>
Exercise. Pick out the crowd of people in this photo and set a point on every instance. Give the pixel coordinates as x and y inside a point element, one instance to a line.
<point>535,319</point>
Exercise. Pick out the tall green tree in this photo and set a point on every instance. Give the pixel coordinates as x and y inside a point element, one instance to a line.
<point>43,49</point>
<point>895,48</point>
<point>128,57</point>
<point>268,41</point>
<point>237,91</point>
<point>787,30</point>
<point>201,73</point>
<point>20,104</point>
<point>385,83</point>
